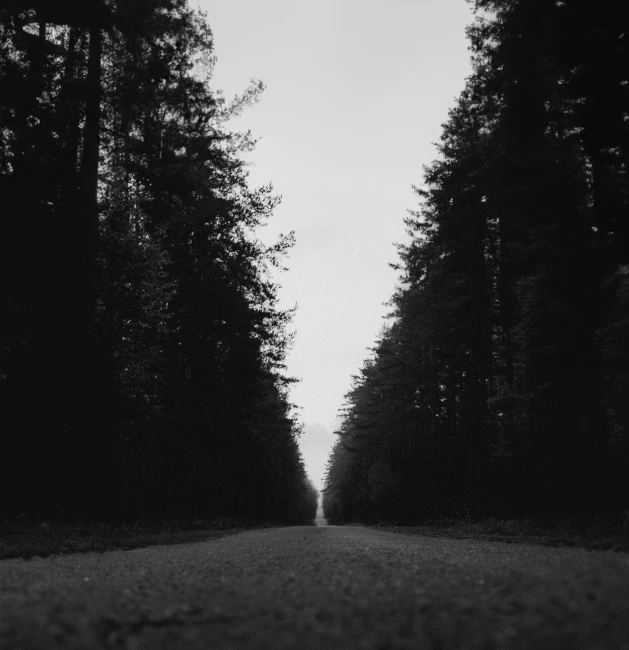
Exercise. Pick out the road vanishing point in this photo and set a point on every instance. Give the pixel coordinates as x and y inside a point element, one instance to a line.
<point>319,587</point>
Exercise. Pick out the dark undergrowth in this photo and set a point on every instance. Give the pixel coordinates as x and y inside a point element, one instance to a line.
<point>604,533</point>
<point>29,537</point>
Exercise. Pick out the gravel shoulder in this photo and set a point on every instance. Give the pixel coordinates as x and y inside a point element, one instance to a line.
<point>319,587</point>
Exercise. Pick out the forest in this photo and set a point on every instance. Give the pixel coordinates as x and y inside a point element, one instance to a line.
<point>142,349</point>
<point>500,385</point>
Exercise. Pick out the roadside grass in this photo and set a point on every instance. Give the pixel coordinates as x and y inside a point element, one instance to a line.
<point>29,537</point>
<point>605,533</point>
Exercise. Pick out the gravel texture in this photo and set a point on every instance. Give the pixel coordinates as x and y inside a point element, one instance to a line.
<point>319,587</point>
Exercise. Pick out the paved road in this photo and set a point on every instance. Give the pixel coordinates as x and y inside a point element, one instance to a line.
<point>319,587</point>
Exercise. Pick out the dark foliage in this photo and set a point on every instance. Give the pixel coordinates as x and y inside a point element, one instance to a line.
<point>141,346</point>
<point>501,387</point>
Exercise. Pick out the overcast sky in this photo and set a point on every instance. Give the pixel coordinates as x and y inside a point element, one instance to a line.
<point>356,93</point>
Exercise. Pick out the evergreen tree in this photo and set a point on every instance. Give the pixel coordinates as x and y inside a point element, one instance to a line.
<point>504,365</point>
<point>142,346</point>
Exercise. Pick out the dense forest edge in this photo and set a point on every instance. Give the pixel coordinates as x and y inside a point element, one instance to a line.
<point>498,392</point>
<point>142,349</point>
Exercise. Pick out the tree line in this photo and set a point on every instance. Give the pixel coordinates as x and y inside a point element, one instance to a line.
<point>142,348</point>
<point>501,386</point>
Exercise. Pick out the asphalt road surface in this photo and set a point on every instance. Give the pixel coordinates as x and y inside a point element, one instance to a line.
<point>319,587</point>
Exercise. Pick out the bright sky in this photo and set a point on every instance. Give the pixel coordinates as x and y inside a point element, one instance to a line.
<point>356,93</point>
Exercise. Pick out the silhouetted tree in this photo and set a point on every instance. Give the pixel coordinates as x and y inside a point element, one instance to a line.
<point>142,346</point>
<point>497,389</point>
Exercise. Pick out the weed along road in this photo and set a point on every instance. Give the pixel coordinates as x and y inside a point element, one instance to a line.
<point>319,587</point>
